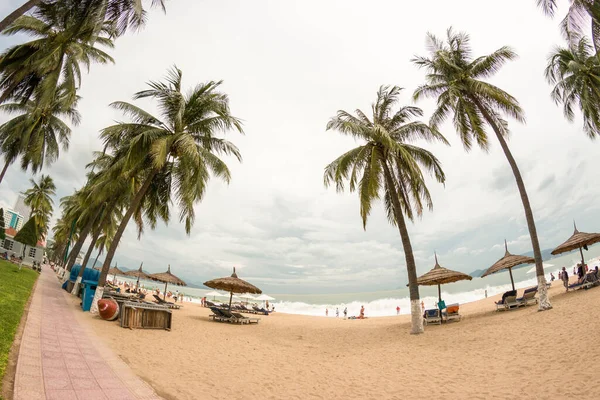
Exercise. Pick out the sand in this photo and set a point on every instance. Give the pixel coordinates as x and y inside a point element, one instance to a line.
<point>487,355</point>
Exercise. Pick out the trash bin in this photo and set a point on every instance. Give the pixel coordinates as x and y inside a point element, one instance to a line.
<point>89,289</point>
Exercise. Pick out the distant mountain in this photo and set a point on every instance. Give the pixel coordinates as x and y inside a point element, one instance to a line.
<point>545,256</point>
<point>477,273</point>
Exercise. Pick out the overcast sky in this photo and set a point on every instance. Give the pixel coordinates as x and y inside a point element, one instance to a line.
<point>288,66</point>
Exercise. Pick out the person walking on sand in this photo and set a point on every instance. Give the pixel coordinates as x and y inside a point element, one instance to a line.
<point>337,312</point>
<point>327,312</point>
<point>552,277</point>
<point>362,312</point>
<point>565,278</point>
<point>345,312</point>
<point>486,293</point>
<point>397,310</point>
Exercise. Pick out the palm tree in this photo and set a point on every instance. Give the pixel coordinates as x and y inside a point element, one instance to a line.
<point>63,42</point>
<point>174,153</point>
<point>124,14</point>
<point>39,199</point>
<point>387,164</point>
<point>100,212</point>
<point>454,78</point>
<point>38,131</point>
<point>575,74</point>
<point>581,13</point>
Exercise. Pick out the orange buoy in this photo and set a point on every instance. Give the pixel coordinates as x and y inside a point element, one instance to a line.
<point>108,309</point>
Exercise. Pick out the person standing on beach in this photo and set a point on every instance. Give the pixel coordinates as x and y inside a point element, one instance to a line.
<point>422,306</point>
<point>397,310</point>
<point>345,312</point>
<point>565,278</point>
<point>486,293</point>
<point>327,312</point>
<point>337,312</point>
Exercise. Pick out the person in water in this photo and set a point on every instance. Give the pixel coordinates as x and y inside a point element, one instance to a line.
<point>362,312</point>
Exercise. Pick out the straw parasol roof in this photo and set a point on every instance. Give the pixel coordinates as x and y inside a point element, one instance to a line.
<point>440,275</point>
<point>508,262</point>
<point>115,271</point>
<point>232,284</point>
<point>139,273</point>
<point>578,240</point>
<point>167,277</point>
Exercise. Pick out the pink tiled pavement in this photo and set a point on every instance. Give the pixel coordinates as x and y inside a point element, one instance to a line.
<point>61,359</point>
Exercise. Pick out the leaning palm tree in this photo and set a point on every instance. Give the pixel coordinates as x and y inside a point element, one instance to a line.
<point>64,41</point>
<point>582,16</point>
<point>39,199</point>
<point>173,153</point>
<point>38,131</point>
<point>454,78</point>
<point>575,74</point>
<point>388,165</point>
<point>124,14</point>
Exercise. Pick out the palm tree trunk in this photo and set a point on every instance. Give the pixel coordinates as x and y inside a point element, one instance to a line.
<point>544,303</point>
<point>411,266</point>
<point>117,238</point>
<point>88,254</point>
<point>82,237</point>
<point>97,256</point>
<point>12,17</point>
<point>4,170</point>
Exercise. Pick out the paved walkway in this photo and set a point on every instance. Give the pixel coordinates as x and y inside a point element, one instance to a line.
<point>62,359</point>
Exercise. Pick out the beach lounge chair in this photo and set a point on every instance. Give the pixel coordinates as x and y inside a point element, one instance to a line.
<point>432,317</point>
<point>238,319</point>
<point>260,310</point>
<point>451,313</point>
<point>248,319</point>
<point>509,303</point>
<point>528,297</point>
<point>218,315</point>
<point>162,302</point>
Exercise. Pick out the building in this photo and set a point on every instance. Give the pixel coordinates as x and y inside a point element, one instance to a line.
<point>12,219</point>
<point>21,207</point>
<point>10,246</point>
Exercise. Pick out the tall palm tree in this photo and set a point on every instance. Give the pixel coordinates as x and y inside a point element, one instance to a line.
<point>173,153</point>
<point>582,16</point>
<point>575,74</point>
<point>39,199</point>
<point>388,165</point>
<point>38,132</point>
<point>455,79</point>
<point>63,42</point>
<point>124,14</point>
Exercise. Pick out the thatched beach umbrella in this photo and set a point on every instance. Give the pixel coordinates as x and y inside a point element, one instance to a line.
<point>579,240</point>
<point>440,276</point>
<point>114,271</point>
<point>508,262</point>
<point>232,284</point>
<point>139,274</point>
<point>167,277</point>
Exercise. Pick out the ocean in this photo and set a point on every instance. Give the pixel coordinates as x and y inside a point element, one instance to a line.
<point>384,303</point>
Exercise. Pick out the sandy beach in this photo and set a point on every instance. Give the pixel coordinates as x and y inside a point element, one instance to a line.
<point>487,355</point>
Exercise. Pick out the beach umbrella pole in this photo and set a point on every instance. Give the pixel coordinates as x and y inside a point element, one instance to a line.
<point>165,293</point>
<point>511,278</point>
<point>230,297</point>
<point>440,292</point>
<point>582,259</point>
